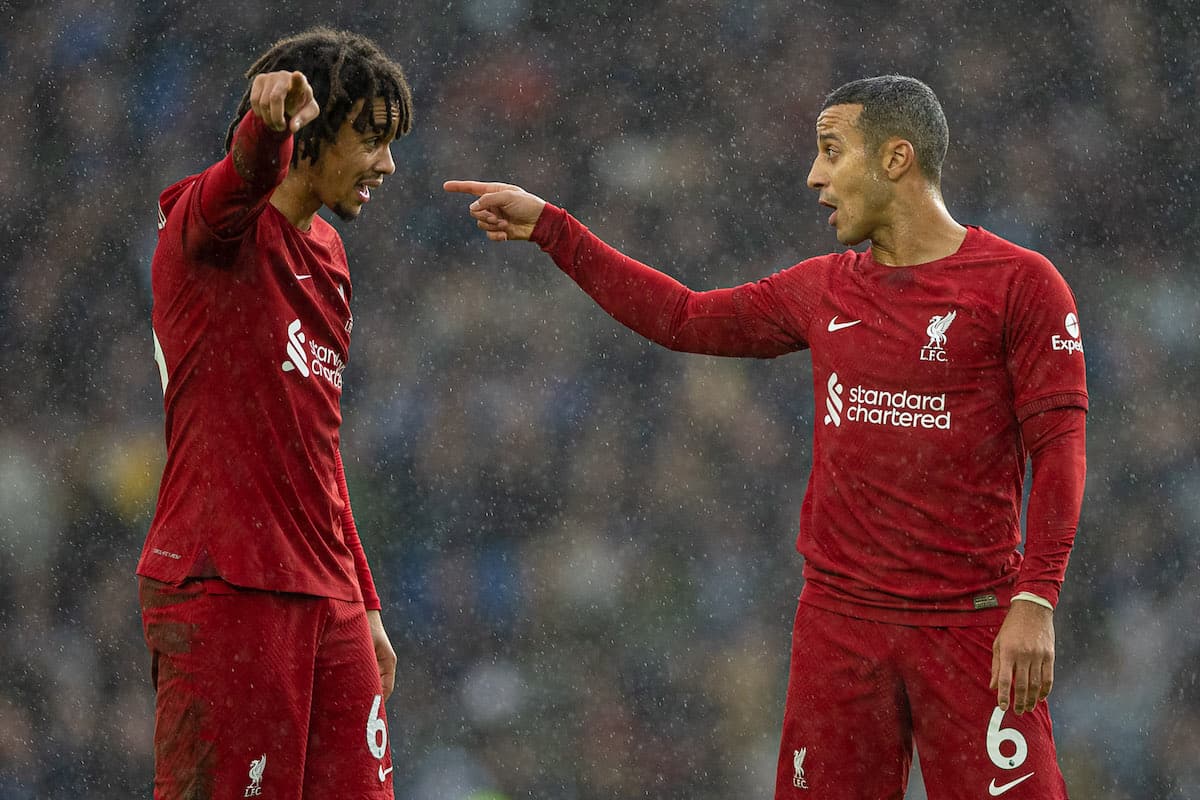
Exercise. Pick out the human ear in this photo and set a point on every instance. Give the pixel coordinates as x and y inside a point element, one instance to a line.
<point>898,158</point>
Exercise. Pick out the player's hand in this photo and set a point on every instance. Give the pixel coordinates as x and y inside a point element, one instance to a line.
<point>1023,657</point>
<point>384,654</point>
<point>283,100</point>
<point>505,212</point>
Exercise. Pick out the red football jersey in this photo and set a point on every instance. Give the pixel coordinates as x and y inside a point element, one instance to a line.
<point>252,330</point>
<point>923,375</point>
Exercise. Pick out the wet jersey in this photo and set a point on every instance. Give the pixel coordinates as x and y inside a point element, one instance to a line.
<point>923,376</point>
<point>252,330</point>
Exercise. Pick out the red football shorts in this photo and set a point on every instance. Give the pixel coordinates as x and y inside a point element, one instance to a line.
<point>860,693</point>
<point>263,694</point>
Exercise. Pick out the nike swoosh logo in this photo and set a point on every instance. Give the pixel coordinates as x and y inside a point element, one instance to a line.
<point>996,791</point>
<point>383,773</point>
<point>302,277</point>
<point>835,326</point>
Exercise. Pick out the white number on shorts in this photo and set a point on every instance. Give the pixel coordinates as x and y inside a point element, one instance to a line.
<point>997,736</point>
<point>377,730</point>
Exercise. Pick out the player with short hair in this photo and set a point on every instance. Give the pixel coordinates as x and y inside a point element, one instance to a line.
<point>270,661</point>
<point>944,357</point>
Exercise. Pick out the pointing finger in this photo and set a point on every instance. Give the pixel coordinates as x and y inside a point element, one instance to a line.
<point>298,84</point>
<point>301,107</point>
<point>305,115</point>
<point>477,188</point>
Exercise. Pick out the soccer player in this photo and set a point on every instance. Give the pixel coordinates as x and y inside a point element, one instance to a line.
<point>944,357</point>
<point>270,662</point>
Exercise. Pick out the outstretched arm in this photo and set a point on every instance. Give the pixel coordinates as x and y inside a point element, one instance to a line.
<point>236,190</point>
<point>725,322</point>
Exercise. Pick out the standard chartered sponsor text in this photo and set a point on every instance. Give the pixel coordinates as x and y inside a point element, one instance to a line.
<point>326,363</point>
<point>902,409</point>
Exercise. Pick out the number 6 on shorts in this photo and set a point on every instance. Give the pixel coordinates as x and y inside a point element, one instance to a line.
<point>377,731</point>
<point>997,736</point>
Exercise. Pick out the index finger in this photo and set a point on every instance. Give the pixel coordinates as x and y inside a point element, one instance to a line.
<point>299,82</point>
<point>478,188</point>
<point>306,114</point>
<point>302,106</point>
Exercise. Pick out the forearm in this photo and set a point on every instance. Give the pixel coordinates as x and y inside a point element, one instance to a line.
<point>1056,443</point>
<point>237,189</point>
<point>645,300</point>
<point>366,582</point>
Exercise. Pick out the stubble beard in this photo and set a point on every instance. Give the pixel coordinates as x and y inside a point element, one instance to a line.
<point>345,213</point>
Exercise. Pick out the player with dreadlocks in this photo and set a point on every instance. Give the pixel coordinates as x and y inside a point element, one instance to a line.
<point>269,658</point>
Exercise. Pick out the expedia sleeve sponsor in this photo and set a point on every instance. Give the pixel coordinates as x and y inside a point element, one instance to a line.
<point>1073,344</point>
<point>1070,345</point>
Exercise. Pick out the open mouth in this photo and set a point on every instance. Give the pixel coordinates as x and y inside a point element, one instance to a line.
<point>364,190</point>
<point>833,216</point>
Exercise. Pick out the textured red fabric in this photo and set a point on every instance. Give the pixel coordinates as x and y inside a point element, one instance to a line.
<point>253,320</point>
<point>861,692</point>
<point>263,694</point>
<point>922,377</point>
<point>1055,440</point>
<point>366,583</point>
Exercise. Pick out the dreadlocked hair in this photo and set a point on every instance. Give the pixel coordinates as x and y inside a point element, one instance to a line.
<point>342,68</point>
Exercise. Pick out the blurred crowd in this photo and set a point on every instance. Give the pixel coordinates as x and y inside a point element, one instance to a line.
<point>584,543</point>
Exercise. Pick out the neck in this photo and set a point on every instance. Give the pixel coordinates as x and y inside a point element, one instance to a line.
<point>296,200</point>
<point>921,231</point>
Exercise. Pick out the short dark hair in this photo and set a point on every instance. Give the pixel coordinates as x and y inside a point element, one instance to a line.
<point>342,68</point>
<point>895,105</point>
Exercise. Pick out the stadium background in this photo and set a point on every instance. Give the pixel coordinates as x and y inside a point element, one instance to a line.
<point>584,543</point>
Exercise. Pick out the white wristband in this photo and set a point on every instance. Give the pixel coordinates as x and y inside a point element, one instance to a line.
<point>1033,598</point>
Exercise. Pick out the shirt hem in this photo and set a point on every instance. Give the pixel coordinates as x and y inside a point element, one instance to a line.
<point>933,617</point>
<point>347,593</point>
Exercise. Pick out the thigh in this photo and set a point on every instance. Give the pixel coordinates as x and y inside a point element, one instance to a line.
<point>348,750</point>
<point>969,747</point>
<point>233,675</point>
<point>846,731</point>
